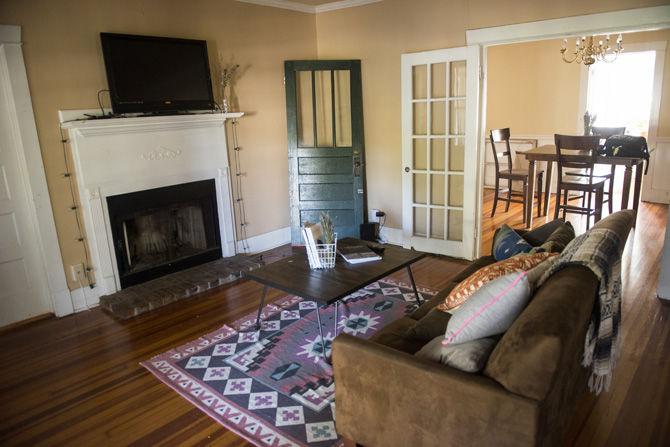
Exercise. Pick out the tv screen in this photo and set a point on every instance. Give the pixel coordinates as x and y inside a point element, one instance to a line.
<point>156,74</point>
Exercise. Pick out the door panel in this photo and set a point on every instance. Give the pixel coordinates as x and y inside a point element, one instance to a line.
<point>23,292</point>
<point>325,142</point>
<point>335,165</point>
<point>440,94</point>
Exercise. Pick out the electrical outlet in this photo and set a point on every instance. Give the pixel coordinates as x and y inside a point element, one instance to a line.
<point>78,273</point>
<point>372,215</point>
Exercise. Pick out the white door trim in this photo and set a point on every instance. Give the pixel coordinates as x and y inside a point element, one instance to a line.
<point>32,173</point>
<point>630,20</point>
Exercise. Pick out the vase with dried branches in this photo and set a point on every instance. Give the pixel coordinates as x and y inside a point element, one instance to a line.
<point>227,76</point>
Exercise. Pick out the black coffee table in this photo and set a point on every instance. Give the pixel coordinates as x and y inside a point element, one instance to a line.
<point>293,275</point>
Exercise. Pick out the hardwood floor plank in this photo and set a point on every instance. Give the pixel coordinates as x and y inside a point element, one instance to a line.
<point>77,380</point>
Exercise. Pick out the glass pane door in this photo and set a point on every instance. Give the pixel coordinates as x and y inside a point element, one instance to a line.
<point>437,107</point>
<point>325,139</point>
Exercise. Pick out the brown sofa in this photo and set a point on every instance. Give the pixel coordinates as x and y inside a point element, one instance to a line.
<point>385,396</point>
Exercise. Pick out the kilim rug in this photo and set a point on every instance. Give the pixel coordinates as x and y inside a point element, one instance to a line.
<point>272,386</point>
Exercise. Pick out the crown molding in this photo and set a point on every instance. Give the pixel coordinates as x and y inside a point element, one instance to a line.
<point>310,9</point>
<point>343,4</point>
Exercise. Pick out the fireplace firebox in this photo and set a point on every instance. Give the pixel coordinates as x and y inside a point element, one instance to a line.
<point>164,230</point>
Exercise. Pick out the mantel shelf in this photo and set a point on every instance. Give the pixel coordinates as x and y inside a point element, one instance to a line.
<point>69,121</point>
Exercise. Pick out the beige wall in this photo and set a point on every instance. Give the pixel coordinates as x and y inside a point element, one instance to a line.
<point>533,92</point>
<point>65,70</point>
<point>380,32</point>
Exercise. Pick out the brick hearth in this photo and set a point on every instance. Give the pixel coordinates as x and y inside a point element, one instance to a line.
<point>141,298</point>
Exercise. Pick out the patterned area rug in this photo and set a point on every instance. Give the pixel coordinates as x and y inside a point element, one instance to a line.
<point>272,386</point>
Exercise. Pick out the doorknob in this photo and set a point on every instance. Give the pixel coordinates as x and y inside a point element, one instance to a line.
<point>406,169</point>
<point>357,167</point>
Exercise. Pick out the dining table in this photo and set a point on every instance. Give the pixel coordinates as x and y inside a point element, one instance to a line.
<point>548,153</point>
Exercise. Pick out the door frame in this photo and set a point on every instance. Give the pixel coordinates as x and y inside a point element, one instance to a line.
<point>630,20</point>
<point>31,171</point>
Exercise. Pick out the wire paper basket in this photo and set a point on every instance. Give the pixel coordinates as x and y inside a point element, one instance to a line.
<point>326,255</point>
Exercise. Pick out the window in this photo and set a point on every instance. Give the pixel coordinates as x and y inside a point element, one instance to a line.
<point>620,92</point>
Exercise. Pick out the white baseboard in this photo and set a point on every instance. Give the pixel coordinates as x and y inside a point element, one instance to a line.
<point>84,298</point>
<point>392,235</point>
<point>62,302</point>
<point>266,241</point>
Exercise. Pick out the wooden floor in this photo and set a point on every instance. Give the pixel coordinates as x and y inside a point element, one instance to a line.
<point>77,381</point>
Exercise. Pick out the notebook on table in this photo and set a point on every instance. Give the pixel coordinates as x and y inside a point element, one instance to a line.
<point>356,254</point>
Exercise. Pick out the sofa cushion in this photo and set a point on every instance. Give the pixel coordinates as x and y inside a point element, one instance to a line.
<point>482,276</point>
<point>469,357</point>
<point>395,335</point>
<point>559,239</point>
<point>429,305</point>
<point>433,324</point>
<point>490,310</point>
<point>539,235</point>
<point>507,243</point>
<point>548,335</point>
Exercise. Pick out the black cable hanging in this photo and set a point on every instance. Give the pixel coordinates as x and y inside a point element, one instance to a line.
<point>239,201</point>
<point>75,208</point>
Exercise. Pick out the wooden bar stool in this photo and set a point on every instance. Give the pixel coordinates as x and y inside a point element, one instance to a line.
<point>511,175</point>
<point>578,152</point>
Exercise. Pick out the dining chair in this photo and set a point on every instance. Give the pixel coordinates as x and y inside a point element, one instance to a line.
<point>580,153</point>
<point>604,133</point>
<point>507,172</point>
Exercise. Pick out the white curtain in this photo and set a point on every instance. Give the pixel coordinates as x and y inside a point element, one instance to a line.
<point>619,92</point>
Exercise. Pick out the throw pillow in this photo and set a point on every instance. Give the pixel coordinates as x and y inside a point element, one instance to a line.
<point>472,283</point>
<point>469,357</point>
<point>490,311</point>
<point>560,238</point>
<point>507,243</point>
<point>431,325</point>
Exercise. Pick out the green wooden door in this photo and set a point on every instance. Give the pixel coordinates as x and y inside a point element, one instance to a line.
<point>324,110</point>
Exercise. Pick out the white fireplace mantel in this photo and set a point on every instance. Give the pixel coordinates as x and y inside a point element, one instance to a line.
<point>122,155</point>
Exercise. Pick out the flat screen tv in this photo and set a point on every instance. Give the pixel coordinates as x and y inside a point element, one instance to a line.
<point>156,74</point>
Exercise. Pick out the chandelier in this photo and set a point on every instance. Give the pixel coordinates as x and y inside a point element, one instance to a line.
<point>587,51</point>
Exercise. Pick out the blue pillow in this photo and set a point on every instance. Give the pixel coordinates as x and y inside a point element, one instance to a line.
<point>507,243</point>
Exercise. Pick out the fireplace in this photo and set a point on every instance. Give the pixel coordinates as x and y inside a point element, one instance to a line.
<point>118,157</point>
<point>164,230</point>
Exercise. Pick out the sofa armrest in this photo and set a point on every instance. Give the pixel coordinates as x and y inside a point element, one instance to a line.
<point>386,397</point>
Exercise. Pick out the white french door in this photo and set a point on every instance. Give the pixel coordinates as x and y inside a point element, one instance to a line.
<point>440,98</point>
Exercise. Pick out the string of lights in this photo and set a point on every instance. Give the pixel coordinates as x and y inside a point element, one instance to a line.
<point>239,201</point>
<point>74,207</point>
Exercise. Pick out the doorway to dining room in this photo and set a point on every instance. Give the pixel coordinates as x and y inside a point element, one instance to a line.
<point>533,92</point>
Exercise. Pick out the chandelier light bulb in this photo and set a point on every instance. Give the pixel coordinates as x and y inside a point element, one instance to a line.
<point>589,50</point>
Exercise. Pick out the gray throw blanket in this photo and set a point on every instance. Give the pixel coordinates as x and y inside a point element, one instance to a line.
<point>599,250</point>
